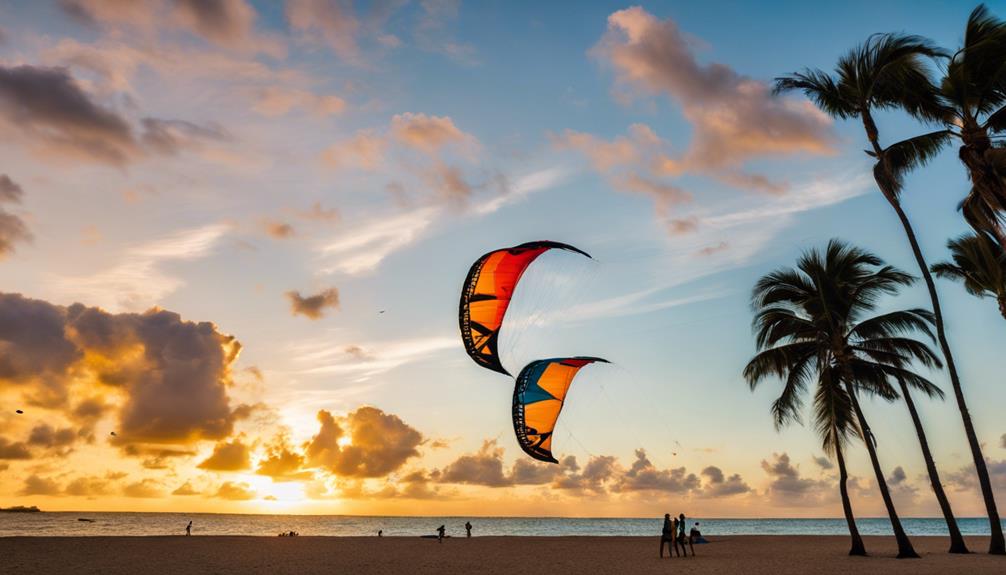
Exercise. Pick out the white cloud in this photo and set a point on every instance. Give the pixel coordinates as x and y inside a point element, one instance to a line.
<point>137,282</point>
<point>363,361</point>
<point>522,188</point>
<point>362,248</point>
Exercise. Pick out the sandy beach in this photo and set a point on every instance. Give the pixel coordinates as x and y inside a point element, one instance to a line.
<point>750,555</point>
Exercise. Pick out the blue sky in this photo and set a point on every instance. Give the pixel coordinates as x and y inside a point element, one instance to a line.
<point>397,143</point>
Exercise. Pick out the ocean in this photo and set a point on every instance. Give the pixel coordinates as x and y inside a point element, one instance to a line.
<point>67,523</point>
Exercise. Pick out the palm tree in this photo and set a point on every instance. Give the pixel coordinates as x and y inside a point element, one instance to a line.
<point>811,320</point>
<point>979,265</point>
<point>888,71</point>
<point>974,91</point>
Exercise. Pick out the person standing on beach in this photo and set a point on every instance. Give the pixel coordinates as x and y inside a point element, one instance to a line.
<point>667,536</point>
<point>468,529</point>
<point>440,534</point>
<point>188,529</point>
<point>682,536</point>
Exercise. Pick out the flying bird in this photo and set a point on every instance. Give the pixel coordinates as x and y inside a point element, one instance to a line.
<point>18,411</point>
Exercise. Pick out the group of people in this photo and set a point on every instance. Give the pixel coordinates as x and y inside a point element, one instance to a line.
<point>289,534</point>
<point>674,536</point>
<point>442,530</point>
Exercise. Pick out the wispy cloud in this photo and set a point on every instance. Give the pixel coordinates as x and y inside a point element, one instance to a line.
<point>363,361</point>
<point>362,248</point>
<point>138,282</point>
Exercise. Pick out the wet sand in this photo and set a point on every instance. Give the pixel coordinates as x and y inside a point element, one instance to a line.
<point>748,555</point>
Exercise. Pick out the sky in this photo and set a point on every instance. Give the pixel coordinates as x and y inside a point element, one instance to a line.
<point>234,236</point>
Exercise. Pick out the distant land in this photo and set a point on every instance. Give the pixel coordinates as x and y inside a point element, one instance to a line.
<point>20,509</point>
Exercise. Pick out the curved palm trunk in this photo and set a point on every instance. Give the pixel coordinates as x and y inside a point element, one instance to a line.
<point>905,549</point>
<point>997,544</point>
<point>957,544</point>
<point>843,477</point>
<point>1002,306</point>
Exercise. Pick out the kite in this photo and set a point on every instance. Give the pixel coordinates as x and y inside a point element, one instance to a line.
<point>486,295</point>
<point>537,400</point>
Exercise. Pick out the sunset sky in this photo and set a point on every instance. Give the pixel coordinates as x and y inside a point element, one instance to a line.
<point>234,234</point>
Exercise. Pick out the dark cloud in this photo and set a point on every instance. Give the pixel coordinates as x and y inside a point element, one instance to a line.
<point>599,472</point>
<point>169,137</point>
<point>897,476</point>
<point>717,485</point>
<point>531,472</point>
<point>313,306</point>
<point>10,191</point>
<point>35,485</point>
<point>89,486</point>
<point>235,491</point>
<point>644,476</point>
<point>485,467</point>
<point>788,488</point>
<point>44,435</point>
<point>13,450</point>
<point>965,478</point>
<point>173,374</point>
<point>378,443</point>
<point>48,107</point>
<point>226,22</point>
<point>824,463</point>
<point>1002,441</point>
<point>228,456</point>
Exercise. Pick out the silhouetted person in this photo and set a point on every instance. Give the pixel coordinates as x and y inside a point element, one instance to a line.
<point>380,532</point>
<point>667,536</point>
<point>188,529</point>
<point>682,538</point>
<point>440,534</point>
<point>468,529</point>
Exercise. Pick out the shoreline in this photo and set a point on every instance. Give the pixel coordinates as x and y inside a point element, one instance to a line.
<point>747,554</point>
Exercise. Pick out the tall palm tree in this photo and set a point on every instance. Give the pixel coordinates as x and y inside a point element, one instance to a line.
<point>974,91</point>
<point>888,71</point>
<point>812,321</point>
<point>979,265</point>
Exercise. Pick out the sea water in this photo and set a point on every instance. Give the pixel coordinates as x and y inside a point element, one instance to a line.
<point>67,523</point>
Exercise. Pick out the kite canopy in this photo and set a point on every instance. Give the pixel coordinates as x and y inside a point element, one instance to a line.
<point>486,295</point>
<point>537,400</point>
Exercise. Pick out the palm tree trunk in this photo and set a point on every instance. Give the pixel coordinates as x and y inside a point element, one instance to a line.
<point>997,544</point>
<point>957,544</point>
<point>1002,306</point>
<point>905,549</point>
<point>858,548</point>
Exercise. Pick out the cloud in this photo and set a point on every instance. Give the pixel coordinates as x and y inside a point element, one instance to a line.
<point>331,20</point>
<point>185,489</point>
<point>171,375</point>
<point>713,249</point>
<point>366,442</point>
<point>787,488</point>
<point>428,134</point>
<point>274,101</point>
<point>283,464</point>
<point>644,476</point>
<point>35,485</point>
<point>318,213</point>
<point>897,477</point>
<point>228,456</point>
<point>99,12</point>
<point>13,230</point>
<point>824,463</point>
<point>313,306</point>
<point>13,450</point>
<point>360,249</point>
<point>366,360</point>
<point>279,230</point>
<point>1002,441</point>
<point>432,35</point>
<point>717,485</point>
<point>144,489</point>
<point>47,107</point>
<point>138,282</point>
<point>44,435</point>
<point>235,491</point>
<point>169,137</point>
<point>364,150</point>
<point>734,118</point>
<point>484,467</point>
<point>89,486</point>
<point>228,23</point>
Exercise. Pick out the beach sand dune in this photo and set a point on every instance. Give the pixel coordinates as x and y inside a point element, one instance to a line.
<point>748,555</point>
